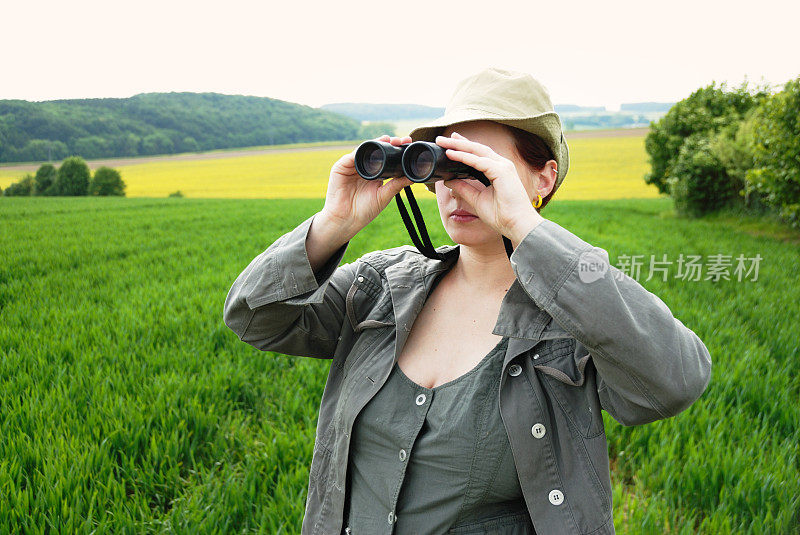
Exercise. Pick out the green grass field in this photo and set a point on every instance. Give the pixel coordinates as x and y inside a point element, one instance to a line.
<point>127,406</point>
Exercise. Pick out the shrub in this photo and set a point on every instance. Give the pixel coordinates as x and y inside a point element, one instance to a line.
<point>73,177</point>
<point>699,182</point>
<point>45,179</point>
<point>706,112</point>
<point>107,181</point>
<point>175,194</point>
<point>733,147</point>
<point>776,152</point>
<point>23,188</point>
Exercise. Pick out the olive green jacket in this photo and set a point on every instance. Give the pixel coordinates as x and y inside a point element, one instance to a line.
<point>578,344</point>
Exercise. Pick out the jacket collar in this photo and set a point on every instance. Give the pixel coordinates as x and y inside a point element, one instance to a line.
<point>520,318</point>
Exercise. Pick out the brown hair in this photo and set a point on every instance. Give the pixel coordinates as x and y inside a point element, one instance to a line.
<point>534,152</point>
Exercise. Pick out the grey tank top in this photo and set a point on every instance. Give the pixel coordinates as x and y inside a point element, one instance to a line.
<point>435,460</point>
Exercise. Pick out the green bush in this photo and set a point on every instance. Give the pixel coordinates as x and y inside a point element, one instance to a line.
<point>175,194</point>
<point>73,177</point>
<point>699,182</point>
<point>704,112</point>
<point>733,147</point>
<point>23,188</point>
<point>45,179</point>
<point>107,181</point>
<point>776,153</point>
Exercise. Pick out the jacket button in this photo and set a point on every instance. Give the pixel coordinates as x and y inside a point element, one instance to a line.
<point>556,497</point>
<point>347,530</point>
<point>514,370</point>
<point>390,519</point>
<point>360,278</point>
<point>420,399</point>
<point>536,356</point>
<point>538,430</point>
<point>402,455</point>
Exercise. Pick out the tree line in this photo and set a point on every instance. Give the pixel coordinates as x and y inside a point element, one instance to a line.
<point>723,148</point>
<point>72,178</point>
<point>159,123</point>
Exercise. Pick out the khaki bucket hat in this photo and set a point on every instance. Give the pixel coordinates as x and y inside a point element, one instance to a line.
<point>507,97</point>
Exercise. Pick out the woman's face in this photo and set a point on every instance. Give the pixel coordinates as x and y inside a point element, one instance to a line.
<point>473,231</point>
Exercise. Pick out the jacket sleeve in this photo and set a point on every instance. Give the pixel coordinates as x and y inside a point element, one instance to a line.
<point>649,365</point>
<point>278,304</point>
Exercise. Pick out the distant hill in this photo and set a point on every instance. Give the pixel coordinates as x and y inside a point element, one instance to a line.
<point>646,106</point>
<point>383,112</point>
<point>159,123</point>
<point>406,117</point>
<point>630,115</point>
<point>573,108</point>
<point>401,112</point>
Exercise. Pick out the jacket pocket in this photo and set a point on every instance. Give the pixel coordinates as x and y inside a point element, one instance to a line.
<point>516,523</point>
<point>568,373</point>
<point>368,307</point>
<point>367,303</point>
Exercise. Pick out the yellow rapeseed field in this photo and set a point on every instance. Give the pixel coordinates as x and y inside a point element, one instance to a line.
<point>603,167</point>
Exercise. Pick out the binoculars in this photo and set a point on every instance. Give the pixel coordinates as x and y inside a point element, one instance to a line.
<point>420,161</point>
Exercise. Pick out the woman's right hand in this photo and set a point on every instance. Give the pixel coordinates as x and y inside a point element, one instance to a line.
<point>352,202</point>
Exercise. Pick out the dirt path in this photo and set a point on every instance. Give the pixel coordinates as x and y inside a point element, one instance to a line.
<point>214,155</point>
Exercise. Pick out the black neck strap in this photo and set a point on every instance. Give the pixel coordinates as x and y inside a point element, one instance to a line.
<point>423,244</point>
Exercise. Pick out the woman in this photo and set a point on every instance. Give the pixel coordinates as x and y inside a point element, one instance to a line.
<point>465,393</point>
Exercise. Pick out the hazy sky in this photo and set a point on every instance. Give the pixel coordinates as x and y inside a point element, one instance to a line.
<point>318,52</point>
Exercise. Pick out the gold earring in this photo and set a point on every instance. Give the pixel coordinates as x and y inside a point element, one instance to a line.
<point>538,202</point>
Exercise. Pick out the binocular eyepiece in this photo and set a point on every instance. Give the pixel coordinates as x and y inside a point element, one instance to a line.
<point>420,161</point>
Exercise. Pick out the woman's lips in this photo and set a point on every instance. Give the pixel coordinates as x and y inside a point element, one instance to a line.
<point>462,216</point>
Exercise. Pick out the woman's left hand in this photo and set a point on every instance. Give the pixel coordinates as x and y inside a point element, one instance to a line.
<point>504,206</point>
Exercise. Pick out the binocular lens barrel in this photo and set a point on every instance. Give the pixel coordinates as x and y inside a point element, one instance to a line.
<point>379,159</point>
<point>420,161</point>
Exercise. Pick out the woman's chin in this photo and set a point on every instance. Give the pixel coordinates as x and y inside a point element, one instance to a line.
<point>470,237</point>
